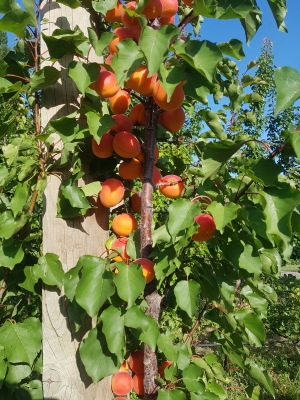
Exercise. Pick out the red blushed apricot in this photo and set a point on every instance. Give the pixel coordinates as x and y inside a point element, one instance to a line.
<point>207,228</point>
<point>122,33</point>
<point>162,367</point>
<point>120,398</point>
<point>138,384</point>
<point>169,8</point>
<point>108,59</point>
<point>166,21</point>
<point>138,114</point>
<point>123,123</point>
<point>106,84</point>
<point>172,191</point>
<point>126,145</point>
<point>136,362</point>
<point>141,156</point>
<point>114,15</point>
<point>105,148</point>
<point>188,2</point>
<point>120,102</point>
<point>112,192</point>
<point>136,32</point>
<point>160,97</point>
<point>130,169</point>
<point>153,9</point>
<point>120,243</point>
<point>136,203</point>
<point>139,82</point>
<point>121,383</point>
<point>147,268</point>
<point>124,224</point>
<point>128,21</point>
<point>172,120</point>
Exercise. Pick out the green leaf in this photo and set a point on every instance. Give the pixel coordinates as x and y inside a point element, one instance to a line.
<point>74,194</point>
<point>99,125</point>
<point>9,226</point>
<point>103,6</point>
<point>287,81</point>
<point>261,376</point>
<point>97,359</point>
<point>254,326</point>
<point>217,389</point>
<point>3,68</point>
<point>225,9</point>
<point>223,214</point>
<point>102,43</point>
<point>130,282</point>
<point>29,7</point>
<point>70,3</point>
<point>113,329</point>
<point>33,389</point>
<point>15,374</point>
<point>161,235</point>
<point>184,355</point>
<point>91,188</point>
<point>173,394</point>
<point>27,169</point>
<point>251,24</point>
<point>20,198</point>
<point>191,376</point>
<point>244,256</point>
<point>66,127</point>
<point>233,48</point>
<point>155,45</point>
<point>165,344</point>
<point>49,270</point>
<point>64,41</point>
<point>30,280</point>
<point>279,11</point>
<point>136,318</point>
<point>170,78</point>
<point>83,74</point>
<point>253,98</point>
<point>21,340</point>
<point>11,253</point>
<point>46,76</point>
<point>187,296</point>
<point>8,5</point>
<point>264,171</point>
<point>3,366</point>
<point>181,216</point>
<point>15,21</point>
<point>214,123</point>
<point>151,335</point>
<point>95,285</point>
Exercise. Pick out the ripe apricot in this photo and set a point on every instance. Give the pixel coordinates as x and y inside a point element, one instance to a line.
<point>123,123</point>
<point>169,8</point>
<point>172,191</point>
<point>122,33</point>
<point>124,224</point>
<point>138,384</point>
<point>130,169</point>
<point>141,156</point>
<point>114,15</point>
<point>106,84</point>
<point>105,148</point>
<point>138,114</point>
<point>188,2</point>
<point>166,21</point>
<point>124,367</point>
<point>120,398</point>
<point>153,9</point>
<point>128,21</point>
<point>162,367</point>
<point>172,120</point>
<point>207,228</point>
<point>126,145</point>
<point>120,102</point>
<point>136,32</point>
<point>108,59</point>
<point>112,192</point>
<point>136,203</point>
<point>121,383</point>
<point>147,268</point>
<point>160,97</point>
<point>120,243</point>
<point>136,362</point>
<point>139,81</point>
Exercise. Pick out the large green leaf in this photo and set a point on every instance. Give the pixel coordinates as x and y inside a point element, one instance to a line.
<point>30,8</point>
<point>225,9</point>
<point>103,6</point>
<point>15,21</point>
<point>66,127</point>
<point>19,199</point>
<point>279,11</point>
<point>181,216</point>
<point>287,82</point>
<point>113,329</point>
<point>32,388</point>
<point>254,327</point>
<point>130,282</point>
<point>3,366</point>
<point>98,125</point>
<point>214,123</point>
<point>49,270</point>
<point>170,78</point>
<point>261,376</point>
<point>165,344</point>
<point>64,41</point>
<point>8,5</point>
<point>191,378</point>
<point>100,44</point>
<point>9,226</point>
<point>11,253</point>
<point>223,214</point>
<point>83,74</point>
<point>173,394</point>
<point>233,48</point>
<point>244,256</point>
<point>264,171</point>
<point>151,335</point>
<point>74,194</point>
<point>46,76</point>
<point>187,296</point>
<point>136,318</point>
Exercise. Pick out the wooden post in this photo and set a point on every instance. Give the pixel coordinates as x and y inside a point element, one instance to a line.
<point>64,377</point>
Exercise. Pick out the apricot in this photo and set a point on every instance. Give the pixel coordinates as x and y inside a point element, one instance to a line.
<point>153,9</point>
<point>123,123</point>
<point>172,191</point>
<point>166,21</point>
<point>136,32</point>
<point>147,268</point>
<point>122,33</point>
<point>112,192</point>
<point>207,228</point>
<point>121,383</point>
<point>162,367</point>
<point>124,367</point>
<point>105,148</point>
<point>106,84</point>
<point>138,114</point>
<point>169,8</point>
<point>136,203</point>
<point>120,243</point>
<point>120,398</point>
<point>188,2</point>
<point>126,145</point>
<point>172,120</point>
<point>140,83</point>
<point>138,384</point>
<point>136,362</point>
<point>130,169</point>
<point>141,156</point>
<point>160,97</point>
<point>124,224</point>
<point>120,102</point>
<point>108,59</point>
<point>128,21</point>
<point>114,15</point>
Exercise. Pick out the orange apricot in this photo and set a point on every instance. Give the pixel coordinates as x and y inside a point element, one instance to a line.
<point>124,224</point>
<point>123,123</point>
<point>136,32</point>
<point>120,243</point>
<point>120,102</point>
<point>188,2</point>
<point>207,228</point>
<point>160,97</point>
<point>136,203</point>
<point>130,169</point>
<point>126,145</point>
<point>138,114</point>
<point>147,268</point>
<point>162,367</point>
<point>169,8</point>
<point>153,9</point>
<point>108,59</point>
<point>139,81</point>
<point>141,156</point>
<point>172,120</point>
<point>114,15</point>
<point>122,33</point>
<point>136,362</point>
<point>172,191</point>
<point>106,84</point>
<point>124,367</point>
<point>138,384</point>
<point>112,192</point>
<point>120,398</point>
<point>166,21</point>
<point>128,21</point>
<point>105,148</point>
<point>121,383</point>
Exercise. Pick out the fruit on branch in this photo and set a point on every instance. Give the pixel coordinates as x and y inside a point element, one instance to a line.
<point>172,191</point>
<point>114,15</point>
<point>138,114</point>
<point>153,9</point>
<point>126,145</point>
<point>124,367</point>
<point>106,84</point>
<point>120,398</point>
<point>207,228</point>
<point>136,32</point>
<point>162,367</point>
<point>172,120</point>
<point>124,224</point>
<point>138,384</point>
<point>105,148</point>
<point>160,97</point>
<point>120,243</point>
<point>128,21</point>
<point>123,123</point>
<point>140,83</point>
<point>112,192</point>
<point>188,2</point>
<point>120,102</point>
<point>169,8</point>
<point>136,203</point>
<point>108,59</point>
<point>130,169</point>
<point>141,156</point>
<point>121,383</point>
<point>136,362</point>
<point>166,21</point>
<point>147,268</point>
<point>122,33</point>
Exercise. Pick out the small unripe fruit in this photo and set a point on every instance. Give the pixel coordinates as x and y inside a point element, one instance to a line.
<point>123,123</point>
<point>126,145</point>
<point>121,383</point>
<point>122,33</point>
<point>140,83</point>
<point>124,224</point>
<point>120,102</point>
<point>147,268</point>
<point>207,228</point>
<point>112,192</point>
<point>136,362</point>
<point>106,84</point>
<point>172,191</point>
<point>105,148</point>
<point>120,243</point>
<point>160,97</point>
<point>130,169</point>
<point>138,384</point>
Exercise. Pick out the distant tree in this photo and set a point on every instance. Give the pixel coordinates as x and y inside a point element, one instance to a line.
<point>4,49</point>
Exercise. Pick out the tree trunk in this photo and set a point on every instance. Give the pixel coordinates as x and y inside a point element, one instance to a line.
<point>64,377</point>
